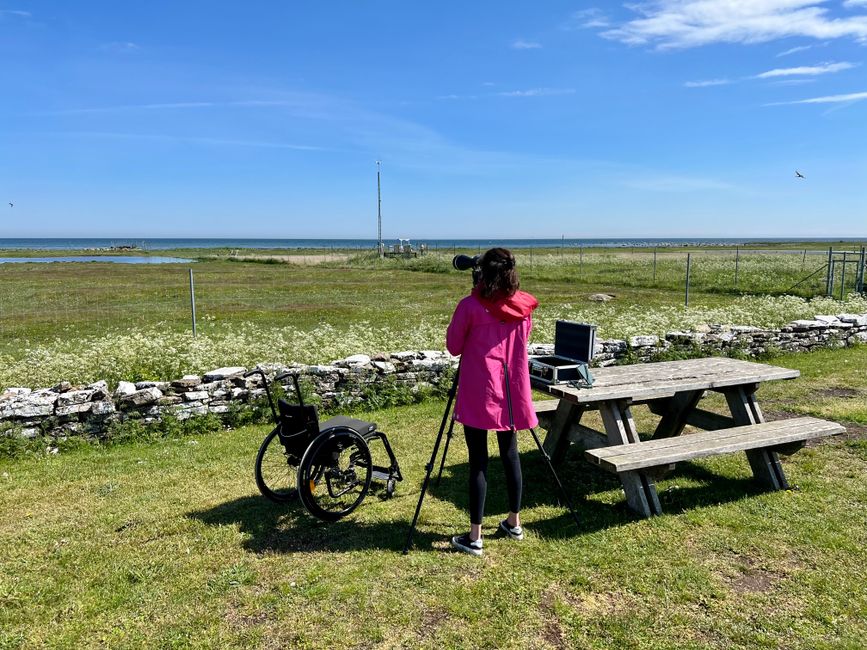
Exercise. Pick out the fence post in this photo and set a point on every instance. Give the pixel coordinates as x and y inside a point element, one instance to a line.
<point>737,264</point>
<point>803,260</point>
<point>829,276</point>
<point>581,260</point>
<point>688,258</point>
<point>193,301</point>
<point>843,276</point>
<point>860,288</point>
<point>654,265</point>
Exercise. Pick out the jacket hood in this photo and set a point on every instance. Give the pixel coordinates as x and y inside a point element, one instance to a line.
<point>514,308</point>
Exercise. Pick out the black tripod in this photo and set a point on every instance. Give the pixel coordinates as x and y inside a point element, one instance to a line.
<point>429,467</point>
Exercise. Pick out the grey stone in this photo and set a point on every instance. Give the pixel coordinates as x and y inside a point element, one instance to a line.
<point>105,407</point>
<point>62,387</point>
<point>600,297</point>
<point>15,392</point>
<point>124,388</point>
<point>193,396</point>
<point>644,341</point>
<point>141,397</point>
<point>31,405</point>
<point>187,382</point>
<point>354,360</point>
<point>223,373</point>
<point>384,366</point>
<point>74,408</point>
<point>74,397</point>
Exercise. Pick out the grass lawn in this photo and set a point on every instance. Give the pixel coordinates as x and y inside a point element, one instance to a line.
<point>169,545</point>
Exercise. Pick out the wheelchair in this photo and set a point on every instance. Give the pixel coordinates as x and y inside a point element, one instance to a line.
<point>328,466</point>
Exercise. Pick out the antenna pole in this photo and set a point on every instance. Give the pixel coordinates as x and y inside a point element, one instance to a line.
<point>379,210</point>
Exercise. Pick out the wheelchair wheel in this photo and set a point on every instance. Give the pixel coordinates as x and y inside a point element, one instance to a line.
<point>275,471</point>
<point>334,474</point>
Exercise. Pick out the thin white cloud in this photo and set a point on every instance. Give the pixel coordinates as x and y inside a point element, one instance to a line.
<point>592,18</point>
<point>521,44</point>
<point>669,24</point>
<point>794,82</point>
<point>537,92</point>
<point>827,99</point>
<point>777,73</point>
<point>707,83</point>
<point>806,71</point>
<point>794,50</point>
<point>850,4</point>
<point>15,12</point>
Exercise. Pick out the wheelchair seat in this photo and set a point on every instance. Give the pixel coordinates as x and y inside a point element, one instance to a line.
<point>361,427</point>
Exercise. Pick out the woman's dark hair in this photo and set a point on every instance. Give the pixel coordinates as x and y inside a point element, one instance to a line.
<point>499,277</point>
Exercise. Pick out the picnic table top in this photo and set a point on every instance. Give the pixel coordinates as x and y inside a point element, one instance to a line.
<point>649,381</point>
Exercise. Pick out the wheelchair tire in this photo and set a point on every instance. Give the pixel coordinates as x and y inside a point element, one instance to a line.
<point>275,473</point>
<point>334,474</point>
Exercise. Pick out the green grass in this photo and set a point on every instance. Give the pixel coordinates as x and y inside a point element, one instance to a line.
<point>41,301</point>
<point>168,544</point>
<point>84,322</point>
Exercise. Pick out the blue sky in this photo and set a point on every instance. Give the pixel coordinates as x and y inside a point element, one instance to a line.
<point>264,119</point>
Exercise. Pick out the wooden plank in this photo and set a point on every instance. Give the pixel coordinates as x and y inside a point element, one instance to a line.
<point>639,489</point>
<point>545,411</point>
<point>672,450</point>
<point>641,382</point>
<point>674,416</point>
<point>765,463</point>
<point>557,441</point>
<point>802,425</point>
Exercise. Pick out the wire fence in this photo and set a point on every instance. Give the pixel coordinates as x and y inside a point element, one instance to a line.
<point>44,301</point>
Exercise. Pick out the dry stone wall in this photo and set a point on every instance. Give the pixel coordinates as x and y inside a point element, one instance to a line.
<point>67,410</point>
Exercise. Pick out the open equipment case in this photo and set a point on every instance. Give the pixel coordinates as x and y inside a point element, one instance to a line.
<point>573,350</point>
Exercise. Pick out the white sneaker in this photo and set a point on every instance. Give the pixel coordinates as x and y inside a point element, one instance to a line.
<point>465,544</point>
<point>513,532</point>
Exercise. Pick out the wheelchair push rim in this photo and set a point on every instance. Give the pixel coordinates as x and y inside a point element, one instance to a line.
<point>335,473</point>
<point>276,470</point>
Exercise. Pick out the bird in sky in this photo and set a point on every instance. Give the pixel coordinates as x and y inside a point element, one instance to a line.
<point>799,174</point>
<point>11,205</point>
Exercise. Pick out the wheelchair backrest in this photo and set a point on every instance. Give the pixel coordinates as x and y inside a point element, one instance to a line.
<point>297,420</point>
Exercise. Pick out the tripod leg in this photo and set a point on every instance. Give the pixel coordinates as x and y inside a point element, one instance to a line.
<point>446,450</point>
<point>432,462</point>
<point>556,478</point>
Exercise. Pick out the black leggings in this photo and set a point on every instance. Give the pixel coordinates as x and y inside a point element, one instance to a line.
<point>477,445</point>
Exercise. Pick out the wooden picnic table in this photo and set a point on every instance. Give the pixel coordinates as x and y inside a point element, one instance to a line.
<point>672,390</point>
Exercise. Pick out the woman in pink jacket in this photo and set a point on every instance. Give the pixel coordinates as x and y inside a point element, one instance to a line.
<point>489,329</point>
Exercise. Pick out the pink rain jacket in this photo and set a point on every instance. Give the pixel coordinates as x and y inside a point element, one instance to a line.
<point>488,335</point>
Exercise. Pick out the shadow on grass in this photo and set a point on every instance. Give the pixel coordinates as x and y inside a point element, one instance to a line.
<point>273,528</point>
<point>582,480</point>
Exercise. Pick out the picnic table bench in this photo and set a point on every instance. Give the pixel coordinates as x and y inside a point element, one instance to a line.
<point>672,390</point>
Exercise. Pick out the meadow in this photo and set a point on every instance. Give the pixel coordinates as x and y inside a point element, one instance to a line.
<point>166,543</point>
<point>91,321</point>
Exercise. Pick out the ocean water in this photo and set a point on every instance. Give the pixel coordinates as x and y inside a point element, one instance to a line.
<point>116,259</point>
<point>153,244</point>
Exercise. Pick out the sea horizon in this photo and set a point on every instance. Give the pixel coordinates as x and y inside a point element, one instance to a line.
<point>169,243</point>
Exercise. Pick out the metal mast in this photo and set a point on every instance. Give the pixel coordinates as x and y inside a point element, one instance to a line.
<point>379,209</point>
